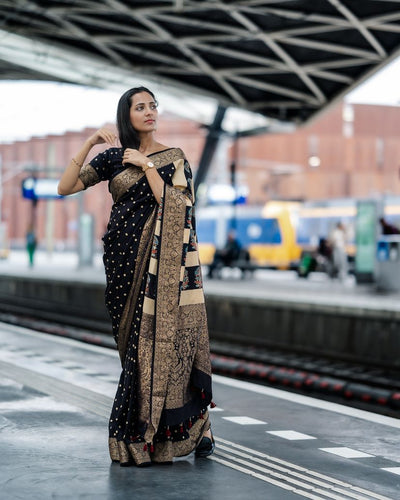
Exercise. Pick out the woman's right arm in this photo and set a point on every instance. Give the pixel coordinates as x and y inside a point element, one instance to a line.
<point>70,182</point>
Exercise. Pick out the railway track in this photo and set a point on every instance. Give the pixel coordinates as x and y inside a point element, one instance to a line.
<point>366,387</point>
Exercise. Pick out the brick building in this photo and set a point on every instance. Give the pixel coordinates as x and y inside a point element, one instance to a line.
<point>56,220</point>
<point>350,151</point>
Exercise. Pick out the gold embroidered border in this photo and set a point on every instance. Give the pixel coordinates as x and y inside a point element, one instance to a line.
<point>144,250</point>
<point>167,450</point>
<point>145,363</point>
<point>122,182</point>
<point>88,176</point>
<point>167,299</point>
<point>163,451</point>
<point>191,316</point>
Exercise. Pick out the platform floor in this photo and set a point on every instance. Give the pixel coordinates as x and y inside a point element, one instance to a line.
<point>56,394</point>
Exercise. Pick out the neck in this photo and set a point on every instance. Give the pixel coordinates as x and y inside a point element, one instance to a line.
<point>147,143</point>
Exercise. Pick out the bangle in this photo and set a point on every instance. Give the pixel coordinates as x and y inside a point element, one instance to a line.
<point>76,163</point>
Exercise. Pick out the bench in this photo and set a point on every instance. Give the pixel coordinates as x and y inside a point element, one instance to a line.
<point>243,263</point>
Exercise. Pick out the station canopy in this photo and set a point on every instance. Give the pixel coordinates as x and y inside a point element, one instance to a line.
<point>284,60</point>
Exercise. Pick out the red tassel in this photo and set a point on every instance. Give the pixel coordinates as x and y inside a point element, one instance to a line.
<point>168,432</point>
<point>212,404</point>
<point>145,447</point>
<point>201,416</point>
<point>151,448</point>
<point>181,429</point>
<point>203,396</point>
<point>190,424</point>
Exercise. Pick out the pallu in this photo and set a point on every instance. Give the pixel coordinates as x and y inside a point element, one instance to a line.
<point>155,298</point>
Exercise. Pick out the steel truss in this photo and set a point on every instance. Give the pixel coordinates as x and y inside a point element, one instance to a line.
<point>283,59</point>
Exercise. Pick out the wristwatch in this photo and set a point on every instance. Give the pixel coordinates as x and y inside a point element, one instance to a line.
<point>149,164</point>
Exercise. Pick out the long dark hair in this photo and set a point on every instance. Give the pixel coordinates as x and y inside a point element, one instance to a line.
<point>128,136</point>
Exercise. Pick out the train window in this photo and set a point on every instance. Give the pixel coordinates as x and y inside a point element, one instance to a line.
<point>249,230</point>
<point>256,230</point>
<point>310,229</point>
<point>205,229</point>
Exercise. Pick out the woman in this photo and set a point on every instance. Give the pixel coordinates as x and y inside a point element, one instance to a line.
<point>338,242</point>
<point>154,288</point>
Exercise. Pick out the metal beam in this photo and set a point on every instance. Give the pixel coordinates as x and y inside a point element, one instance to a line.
<point>360,26</point>
<point>213,136</point>
<point>212,48</point>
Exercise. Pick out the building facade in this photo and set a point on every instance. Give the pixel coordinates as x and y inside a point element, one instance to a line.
<point>350,151</point>
<point>56,221</point>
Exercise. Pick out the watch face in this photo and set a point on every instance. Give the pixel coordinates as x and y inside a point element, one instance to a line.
<point>150,164</point>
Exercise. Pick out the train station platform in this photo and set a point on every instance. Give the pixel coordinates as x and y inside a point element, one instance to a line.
<point>55,399</point>
<point>277,309</point>
<point>263,284</point>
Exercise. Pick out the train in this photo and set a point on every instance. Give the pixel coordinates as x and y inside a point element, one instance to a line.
<point>278,233</point>
<point>268,232</point>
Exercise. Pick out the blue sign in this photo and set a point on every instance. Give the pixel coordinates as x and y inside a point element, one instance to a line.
<point>382,251</point>
<point>39,189</point>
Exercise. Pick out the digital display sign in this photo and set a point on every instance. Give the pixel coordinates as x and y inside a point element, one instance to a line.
<point>366,223</point>
<point>39,189</point>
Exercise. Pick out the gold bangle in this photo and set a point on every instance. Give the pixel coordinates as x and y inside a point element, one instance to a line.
<point>76,163</point>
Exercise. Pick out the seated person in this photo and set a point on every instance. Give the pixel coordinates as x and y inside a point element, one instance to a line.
<point>388,228</point>
<point>226,255</point>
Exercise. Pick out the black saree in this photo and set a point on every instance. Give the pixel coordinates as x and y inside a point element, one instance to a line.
<point>155,298</point>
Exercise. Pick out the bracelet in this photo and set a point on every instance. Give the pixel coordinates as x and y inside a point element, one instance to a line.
<point>76,163</point>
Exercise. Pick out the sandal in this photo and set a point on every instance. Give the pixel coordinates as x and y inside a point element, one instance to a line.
<point>206,447</point>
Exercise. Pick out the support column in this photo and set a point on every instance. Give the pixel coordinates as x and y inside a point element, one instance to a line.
<point>214,133</point>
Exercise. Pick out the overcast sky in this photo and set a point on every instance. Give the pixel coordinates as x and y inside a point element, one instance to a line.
<point>35,109</point>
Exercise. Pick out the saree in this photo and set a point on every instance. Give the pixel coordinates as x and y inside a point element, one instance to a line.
<point>154,295</point>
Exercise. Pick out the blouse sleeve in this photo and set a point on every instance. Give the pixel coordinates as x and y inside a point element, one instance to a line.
<point>97,170</point>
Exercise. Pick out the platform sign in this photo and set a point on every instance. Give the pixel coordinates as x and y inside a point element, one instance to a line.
<point>366,235</point>
<point>39,189</point>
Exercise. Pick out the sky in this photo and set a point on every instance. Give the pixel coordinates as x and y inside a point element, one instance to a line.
<point>38,108</point>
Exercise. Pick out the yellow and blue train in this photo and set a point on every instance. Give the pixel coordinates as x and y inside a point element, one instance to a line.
<point>267,232</point>
<point>278,233</point>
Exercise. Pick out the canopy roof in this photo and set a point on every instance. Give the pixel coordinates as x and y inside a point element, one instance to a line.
<point>284,59</point>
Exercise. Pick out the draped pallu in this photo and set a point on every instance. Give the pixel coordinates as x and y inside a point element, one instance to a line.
<point>155,298</point>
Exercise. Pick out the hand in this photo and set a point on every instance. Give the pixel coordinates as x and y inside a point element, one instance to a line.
<point>103,135</point>
<point>134,157</point>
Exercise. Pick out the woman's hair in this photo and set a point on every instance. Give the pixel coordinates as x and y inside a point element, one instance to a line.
<point>128,136</point>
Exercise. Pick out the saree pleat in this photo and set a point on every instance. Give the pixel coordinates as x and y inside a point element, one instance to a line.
<point>155,298</point>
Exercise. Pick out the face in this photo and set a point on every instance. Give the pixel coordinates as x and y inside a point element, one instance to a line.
<point>143,112</point>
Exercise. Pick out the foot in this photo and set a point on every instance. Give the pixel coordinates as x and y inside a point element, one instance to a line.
<point>208,434</point>
<point>206,445</point>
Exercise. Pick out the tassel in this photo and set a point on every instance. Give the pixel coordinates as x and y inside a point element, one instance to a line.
<point>212,404</point>
<point>145,447</point>
<point>151,448</point>
<point>201,416</point>
<point>203,396</point>
<point>181,429</point>
<point>168,432</point>
<point>190,424</point>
